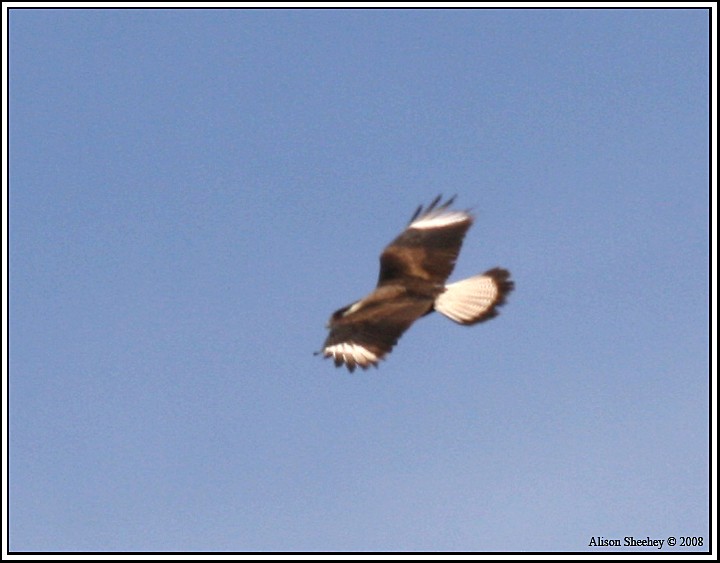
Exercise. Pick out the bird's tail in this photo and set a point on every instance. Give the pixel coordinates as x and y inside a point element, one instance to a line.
<point>475,299</point>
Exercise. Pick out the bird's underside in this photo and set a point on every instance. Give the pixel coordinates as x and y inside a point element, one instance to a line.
<point>412,283</point>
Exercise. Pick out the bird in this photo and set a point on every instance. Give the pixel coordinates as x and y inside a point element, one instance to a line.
<point>412,283</point>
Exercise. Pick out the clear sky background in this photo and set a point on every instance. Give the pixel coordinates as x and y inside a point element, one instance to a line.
<point>193,193</point>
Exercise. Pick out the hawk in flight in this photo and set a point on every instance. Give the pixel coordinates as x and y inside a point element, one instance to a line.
<point>413,271</point>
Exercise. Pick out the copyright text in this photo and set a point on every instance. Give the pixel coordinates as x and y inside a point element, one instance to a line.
<point>657,543</point>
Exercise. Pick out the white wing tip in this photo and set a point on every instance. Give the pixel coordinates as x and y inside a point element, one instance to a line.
<point>437,215</point>
<point>351,354</point>
<point>441,218</point>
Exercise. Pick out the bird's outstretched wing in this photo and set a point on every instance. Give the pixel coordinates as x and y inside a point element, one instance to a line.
<point>428,248</point>
<point>364,336</point>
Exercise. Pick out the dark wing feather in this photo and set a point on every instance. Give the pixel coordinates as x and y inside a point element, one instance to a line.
<point>429,246</point>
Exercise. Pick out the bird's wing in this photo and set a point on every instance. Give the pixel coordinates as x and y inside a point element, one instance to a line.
<point>428,248</point>
<point>364,336</point>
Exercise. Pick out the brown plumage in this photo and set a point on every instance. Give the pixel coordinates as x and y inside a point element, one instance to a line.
<point>413,270</point>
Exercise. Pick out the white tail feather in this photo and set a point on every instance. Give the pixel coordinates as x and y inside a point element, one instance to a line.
<point>471,300</point>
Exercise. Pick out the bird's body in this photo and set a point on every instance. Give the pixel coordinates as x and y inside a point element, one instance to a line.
<point>412,283</point>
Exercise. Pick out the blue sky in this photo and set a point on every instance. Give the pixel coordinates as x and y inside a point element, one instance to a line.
<point>193,193</point>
